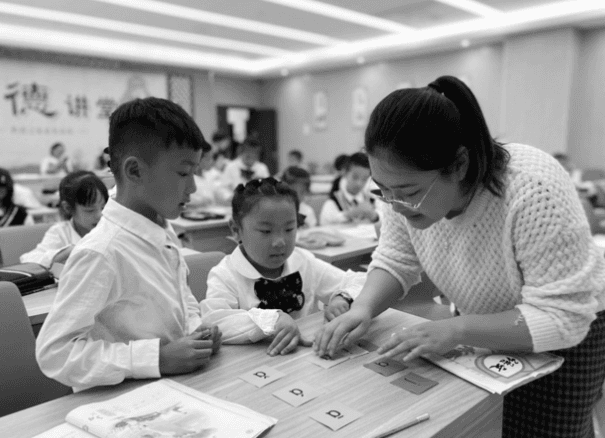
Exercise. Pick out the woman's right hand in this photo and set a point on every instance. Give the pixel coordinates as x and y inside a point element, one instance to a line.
<point>348,327</point>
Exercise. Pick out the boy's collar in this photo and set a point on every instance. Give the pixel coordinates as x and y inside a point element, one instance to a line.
<point>138,224</point>
<point>243,266</point>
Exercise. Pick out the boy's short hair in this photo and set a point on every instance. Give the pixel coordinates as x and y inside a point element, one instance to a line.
<point>358,159</point>
<point>142,127</point>
<point>340,162</point>
<point>250,143</point>
<point>55,146</point>
<point>295,174</point>
<point>297,154</point>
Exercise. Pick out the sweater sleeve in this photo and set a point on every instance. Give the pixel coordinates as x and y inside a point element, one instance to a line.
<point>395,252</point>
<point>561,267</point>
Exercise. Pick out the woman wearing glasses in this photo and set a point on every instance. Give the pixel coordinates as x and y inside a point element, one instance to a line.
<point>501,232</point>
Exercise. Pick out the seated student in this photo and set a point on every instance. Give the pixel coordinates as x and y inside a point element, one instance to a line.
<point>246,167</point>
<point>57,163</point>
<point>10,213</point>
<point>124,309</point>
<point>340,166</point>
<point>351,202</point>
<point>300,181</point>
<point>209,182</point>
<point>295,159</point>
<point>266,283</point>
<point>83,196</point>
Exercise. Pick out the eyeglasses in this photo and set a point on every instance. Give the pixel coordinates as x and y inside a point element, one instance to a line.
<point>410,206</point>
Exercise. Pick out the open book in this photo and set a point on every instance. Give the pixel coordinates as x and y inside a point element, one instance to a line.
<point>162,409</point>
<point>495,372</point>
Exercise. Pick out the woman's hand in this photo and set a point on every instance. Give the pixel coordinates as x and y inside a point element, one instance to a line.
<point>428,337</point>
<point>349,327</point>
<point>287,336</point>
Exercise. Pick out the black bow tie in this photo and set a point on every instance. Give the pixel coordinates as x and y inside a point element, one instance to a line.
<point>284,294</point>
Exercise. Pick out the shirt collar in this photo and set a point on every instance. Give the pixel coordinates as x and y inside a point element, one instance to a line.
<point>244,267</point>
<point>138,224</point>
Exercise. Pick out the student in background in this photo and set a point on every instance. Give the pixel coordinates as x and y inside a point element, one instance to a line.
<point>295,159</point>
<point>350,203</point>
<point>340,166</point>
<point>124,309</point>
<point>223,148</point>
<point>82,198</point>
<point>11,213</point>
<point>586,189</point>
<point>211,189</point>
<point>300,181</point>
<point>500,231</point>
<point>57,163</point>
<point>246,167</point>
<point>267,283</point>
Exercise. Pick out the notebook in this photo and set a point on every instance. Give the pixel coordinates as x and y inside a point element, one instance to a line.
<point>162,408</point>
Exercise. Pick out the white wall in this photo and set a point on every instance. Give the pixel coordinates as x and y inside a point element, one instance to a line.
<point>292,96</point>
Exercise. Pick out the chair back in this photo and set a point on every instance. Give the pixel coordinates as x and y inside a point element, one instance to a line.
<point>16,241</point>
<point>199,266</point>
<point>23,384</point>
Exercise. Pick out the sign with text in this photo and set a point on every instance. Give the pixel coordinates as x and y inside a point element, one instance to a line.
<point>41,104</point>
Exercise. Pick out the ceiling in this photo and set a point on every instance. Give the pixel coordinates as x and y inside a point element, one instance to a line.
<point>263,38</point>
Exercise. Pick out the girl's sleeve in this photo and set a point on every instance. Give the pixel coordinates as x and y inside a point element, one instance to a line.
<point>332,280</point>
<point>395,252</point>
<point>54,241</point>
<point>221,307</point>
<point>563,272</point>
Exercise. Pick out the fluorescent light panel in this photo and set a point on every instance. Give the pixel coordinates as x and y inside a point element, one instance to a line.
<point>201,16</point>
<point>343,14</point>
<point>138,29</point>
<point>474,7</point>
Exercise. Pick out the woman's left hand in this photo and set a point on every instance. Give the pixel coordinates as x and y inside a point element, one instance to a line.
<point>428,337</point>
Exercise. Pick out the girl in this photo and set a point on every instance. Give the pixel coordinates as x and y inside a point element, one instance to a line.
<point>266,283</point>
<point>11,213</point>
<point>300,181</point>
<point>82,198</point>
<point>501,232</point>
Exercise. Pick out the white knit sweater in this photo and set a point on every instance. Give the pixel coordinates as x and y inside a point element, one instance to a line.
<point>530,249</point>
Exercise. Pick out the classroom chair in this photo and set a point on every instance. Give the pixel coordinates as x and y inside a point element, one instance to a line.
<point>16,241</point>
<point>21,381</point>
<point>199,267</point>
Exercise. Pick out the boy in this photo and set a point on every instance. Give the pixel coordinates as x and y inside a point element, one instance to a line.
<point>123,308</point>
<point>295,159</point>
<point>350,203</point>
<point>246,167</point>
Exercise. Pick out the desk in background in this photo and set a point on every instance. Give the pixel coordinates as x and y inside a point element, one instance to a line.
<point>457,408</point>
<point>210,235</point>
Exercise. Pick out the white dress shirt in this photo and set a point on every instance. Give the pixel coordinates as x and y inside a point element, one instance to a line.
<point>231,302</point>
<point>232,175</point>
<point>331,213</point>
<point>123,291</point>
<point>58,237</point>
<point>52,161</point>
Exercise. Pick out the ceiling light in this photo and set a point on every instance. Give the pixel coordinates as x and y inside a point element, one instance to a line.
<point>344,14</point>
<point>474,7</point>
<point>138,29</point>
<point>195,14</point>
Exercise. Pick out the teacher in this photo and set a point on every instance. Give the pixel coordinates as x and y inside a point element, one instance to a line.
<point>501,232</point>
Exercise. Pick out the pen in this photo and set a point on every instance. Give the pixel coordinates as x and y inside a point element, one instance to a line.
<point>414,422</point>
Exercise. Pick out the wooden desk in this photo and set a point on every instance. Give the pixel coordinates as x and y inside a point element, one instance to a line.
<point>210,235</point>
<point>457,408</point>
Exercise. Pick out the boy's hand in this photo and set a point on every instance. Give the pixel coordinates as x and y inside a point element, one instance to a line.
<point>211,333</point>
<point>185,355</point>
<point>337,306</point>
<point>287,336</point>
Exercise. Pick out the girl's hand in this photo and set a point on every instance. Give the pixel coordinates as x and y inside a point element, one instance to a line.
<point>287,336</point>
<point>351,325</point>
<point>428,337</point>
<point>337,306</point>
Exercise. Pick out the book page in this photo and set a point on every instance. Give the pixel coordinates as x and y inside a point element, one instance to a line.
<point>65,430</point>
<point>496,372</point>
<point>167,409</point>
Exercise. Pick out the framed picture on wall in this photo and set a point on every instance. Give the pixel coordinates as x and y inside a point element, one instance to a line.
<point>359,109</point>
<point>180,91</point>
<point>320,110</point>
